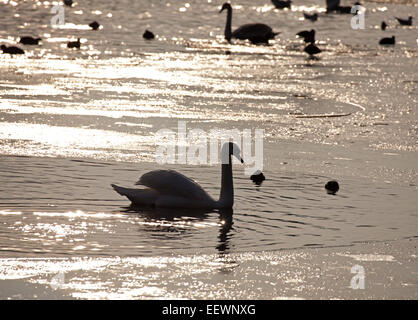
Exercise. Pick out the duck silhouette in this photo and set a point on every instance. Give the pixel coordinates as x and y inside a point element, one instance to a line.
<point>94,25</point>
<point>258,177</point>
<point>312,17</point>
<point>11,50</point>
<point>29,40</point>
<point>148,35</point>
<point>280,4</point>
<point>312,50</point>
<point>405,22</point>
<point>74,44</point>
<point>387,41</point>
<point>308,36</point>
<point>332,187</point>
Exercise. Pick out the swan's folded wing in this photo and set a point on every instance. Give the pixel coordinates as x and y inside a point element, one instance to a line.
<point>171,182</point>
<point>138,196</point>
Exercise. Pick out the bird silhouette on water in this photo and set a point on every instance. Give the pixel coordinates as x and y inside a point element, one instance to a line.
<point>258,177</point>
<point>68,3</point>
<point>11,49</point>
<point>405,22</point>
<point>332,187</point>
<point>333,6</point>
<point>94,25</point>
<point>280,4</point>
<point>255,32</point>
<point>383,26</point>
<point>312,50</point>
<point>29,40</point>
<point>148,35</point>
<point>312,17</point>
<point>308,36</point>
<point>74,44</point>
<point>387,41</point>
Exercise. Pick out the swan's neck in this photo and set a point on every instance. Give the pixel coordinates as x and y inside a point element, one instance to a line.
<point>226,198</point>
<point>228,31</point>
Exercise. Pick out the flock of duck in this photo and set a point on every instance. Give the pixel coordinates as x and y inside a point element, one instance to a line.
<point>261,33</point>
<point>28,40</point>
<point>256,33</point>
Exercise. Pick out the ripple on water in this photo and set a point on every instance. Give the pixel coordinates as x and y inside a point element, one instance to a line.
<point>83,216</point>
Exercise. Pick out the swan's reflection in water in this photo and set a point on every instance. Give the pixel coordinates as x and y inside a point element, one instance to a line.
<point>227,264</point>
<point>171,222</point>
<point>226,222</point>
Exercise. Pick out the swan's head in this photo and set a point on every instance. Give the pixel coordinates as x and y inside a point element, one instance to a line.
<point>229,149</point>
<point>226,6</point>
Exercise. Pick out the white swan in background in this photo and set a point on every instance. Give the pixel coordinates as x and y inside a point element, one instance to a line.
<point>170,189</point>
<point>255,32</point>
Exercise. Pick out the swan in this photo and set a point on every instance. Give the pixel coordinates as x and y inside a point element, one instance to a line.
<point>255,32</point>
<point>171,189</point>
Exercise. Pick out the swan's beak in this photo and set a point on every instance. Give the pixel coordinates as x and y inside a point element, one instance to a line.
<point>223,8</point>
<point>238,156</point>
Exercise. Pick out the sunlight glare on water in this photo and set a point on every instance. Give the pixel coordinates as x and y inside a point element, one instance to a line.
<point>73,121</point>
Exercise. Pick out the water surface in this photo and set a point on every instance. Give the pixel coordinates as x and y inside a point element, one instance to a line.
<point>74,121</point>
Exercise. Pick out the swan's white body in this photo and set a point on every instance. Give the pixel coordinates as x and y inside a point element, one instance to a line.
<point>170,189</point>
